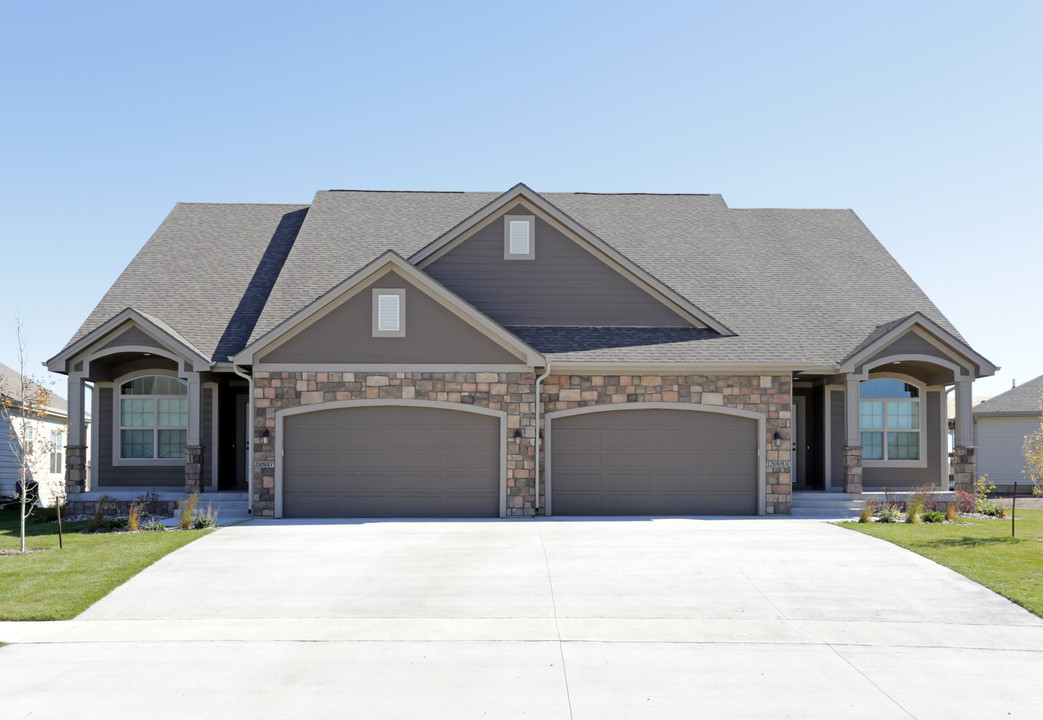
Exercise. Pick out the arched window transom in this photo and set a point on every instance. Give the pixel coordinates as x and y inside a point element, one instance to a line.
<point>890,412</point>
<point>153,417</point>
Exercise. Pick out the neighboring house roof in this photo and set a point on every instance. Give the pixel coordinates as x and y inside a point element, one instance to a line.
<point>804,287</point>
<point>11,380</point>
<point>1025,399</point>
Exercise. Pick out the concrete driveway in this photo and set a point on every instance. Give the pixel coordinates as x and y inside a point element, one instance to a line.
<point>710,618</point>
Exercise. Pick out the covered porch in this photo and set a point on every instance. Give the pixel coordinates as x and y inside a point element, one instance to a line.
<point>880,422</point>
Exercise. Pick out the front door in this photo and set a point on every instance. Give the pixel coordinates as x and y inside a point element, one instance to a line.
<point>242,440</point>
<point>799,442</point>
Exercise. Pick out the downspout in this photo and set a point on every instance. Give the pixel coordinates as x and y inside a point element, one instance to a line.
<point>250,441</point>
<point>539,435</point>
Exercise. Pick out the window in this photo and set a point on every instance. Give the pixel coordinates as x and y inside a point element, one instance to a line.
<point>389,312</point>
<point>56,452</point>
<point>519,237</point>
<point>890,414</point>
<point>153,418</point>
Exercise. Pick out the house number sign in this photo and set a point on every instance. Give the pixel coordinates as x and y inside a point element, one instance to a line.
<point>264,464</point>
<point>778,464</point>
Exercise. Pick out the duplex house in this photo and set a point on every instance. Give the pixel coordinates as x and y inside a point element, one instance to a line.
<point>509,354</point>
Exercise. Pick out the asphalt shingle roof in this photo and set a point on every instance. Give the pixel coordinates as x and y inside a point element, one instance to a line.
<point>1026,398</point>
<point>799,286</point>
<point>11,381</point>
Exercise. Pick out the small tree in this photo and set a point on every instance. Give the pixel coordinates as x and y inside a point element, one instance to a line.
<point>1033,449</point>
<point>23,404</point>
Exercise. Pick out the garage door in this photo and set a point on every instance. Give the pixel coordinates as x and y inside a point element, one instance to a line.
<point>391,461</point>
<point>653,462</point>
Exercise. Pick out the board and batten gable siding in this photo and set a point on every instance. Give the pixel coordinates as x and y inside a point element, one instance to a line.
<point>134,337</point>
<point>107,475</point>
<point>1000,447</point>
<point>565,285</point>
<point>433,334</point>
<point>877,478</point>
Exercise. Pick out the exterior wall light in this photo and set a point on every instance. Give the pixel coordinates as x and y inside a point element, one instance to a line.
<point>266,436</point>
<point>776,439</point>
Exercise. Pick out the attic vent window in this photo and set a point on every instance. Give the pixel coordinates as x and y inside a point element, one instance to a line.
<point>519,237</point>
<point>389,312</point>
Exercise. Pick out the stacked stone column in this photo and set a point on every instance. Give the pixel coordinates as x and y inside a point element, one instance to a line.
<point>963,468</point>
<point>853,470</point>
<point>75,469</point>
<point>193,469</point>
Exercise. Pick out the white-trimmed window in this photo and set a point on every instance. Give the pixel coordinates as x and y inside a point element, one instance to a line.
<point>56,452</point>
<point>519,237</point>
<point>152,412</point>
<point>389,312</point>
<point>892,415</point>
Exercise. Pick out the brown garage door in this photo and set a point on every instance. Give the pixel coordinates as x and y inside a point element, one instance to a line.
<point>391,461</point>
<point>653,462</point>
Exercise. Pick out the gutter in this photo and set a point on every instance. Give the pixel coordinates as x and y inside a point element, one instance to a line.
<point>539,435</point>
<point>249,442</point>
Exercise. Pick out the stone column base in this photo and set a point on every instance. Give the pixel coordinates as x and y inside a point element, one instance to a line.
<point>193,469</point>
<point>963,469</point>
<point>75,469</point>
<point>853,470</point>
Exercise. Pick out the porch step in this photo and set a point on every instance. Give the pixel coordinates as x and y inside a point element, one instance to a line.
<point>826,505</point>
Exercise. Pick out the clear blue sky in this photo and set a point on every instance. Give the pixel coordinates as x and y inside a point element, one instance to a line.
<point>924,117</point>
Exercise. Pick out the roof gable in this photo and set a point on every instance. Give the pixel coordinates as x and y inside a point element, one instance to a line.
<point>395,268</point>
<point>521,199</point>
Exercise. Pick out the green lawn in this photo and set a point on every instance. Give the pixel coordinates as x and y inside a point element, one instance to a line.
<point>982,550</point>
<point>60,584</point>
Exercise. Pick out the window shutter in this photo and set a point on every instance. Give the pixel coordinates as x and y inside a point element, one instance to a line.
<point>387,313</point>
<point>519,237</point>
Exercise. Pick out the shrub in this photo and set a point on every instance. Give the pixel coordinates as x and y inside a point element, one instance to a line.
<point>205,519</point>
<point>950,512</point>
<point>134,517</point>
<point>965,502</point>
<point>868,509</point>
<point>153,525</point>
<point>982,489</point>
<point>933,516</point>
<point>95,523</point>
<point>185,510</point>
<point>913,508</point>
<point>925,496</point>
<point>887,515</point>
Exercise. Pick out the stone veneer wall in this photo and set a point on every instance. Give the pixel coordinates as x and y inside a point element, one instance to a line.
<point>514,393</point>
<point>766,394</point>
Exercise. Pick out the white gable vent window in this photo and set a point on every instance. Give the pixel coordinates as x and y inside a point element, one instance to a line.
<point>519,237</point>
<point>389,312</point>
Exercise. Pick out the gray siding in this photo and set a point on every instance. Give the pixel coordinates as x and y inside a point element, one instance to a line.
<point>133,336</point>
<point>836,438</point>
<point>565,285</point>
<point>433,334</point>
<point>1000,441</point>
<point>909,344</point>
<point>107,475</point>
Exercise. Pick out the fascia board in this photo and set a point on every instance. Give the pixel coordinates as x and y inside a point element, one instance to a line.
<point>954,344</point>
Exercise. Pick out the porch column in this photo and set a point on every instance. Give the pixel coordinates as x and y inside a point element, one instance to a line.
<point>963,462</point>
<point>75,446</point>
<point>853,438</point>
<point>193,443</point>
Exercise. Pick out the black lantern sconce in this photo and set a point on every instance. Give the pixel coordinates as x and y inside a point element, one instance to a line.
<point>266,437</point>
<point>776,439</point>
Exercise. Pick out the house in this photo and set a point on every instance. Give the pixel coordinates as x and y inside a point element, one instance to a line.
<point>1000,427</point>
<point>19,431</point>
<point>509,354</point>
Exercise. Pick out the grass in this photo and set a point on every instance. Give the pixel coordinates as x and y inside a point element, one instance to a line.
<point>981,550</point>
<point>60,584</point>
